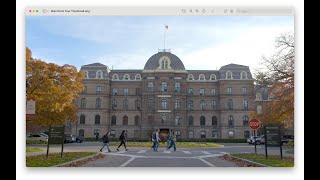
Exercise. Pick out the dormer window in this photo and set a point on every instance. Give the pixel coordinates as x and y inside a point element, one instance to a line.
<point>126,77</point>
<point>164,64</point>
<point>99,74</point>
<point>115,77</point>
<point>229,75</point>
<point>201,77</point>
<point>138,77</point>
<point>86,74</point>
<point>213,77</point>
<point>190,77</point>
<point>243,75</point>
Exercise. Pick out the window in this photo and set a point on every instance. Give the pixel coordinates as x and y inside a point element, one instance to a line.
<point>178,133</point>
<point>84,90</point>
<point>150,103</point>
<point>177,104</point>
<point>201,77</point>
<point>245,104</point>
<point>86,74</point>
<point>96,131</point>
<point>213,92</point>
<point>138,91</point>
<point>114,104</point>
<point>82,119</point>
<point>201,92</point>
<point>259,109</point>
<point>164,102</point>
<point>126,77</point>
<point>150,86</point>
<point>164,86</point>
<point>138,104</point>
<point>98,103</point>
<point>243,75</point>
<point>81,132</point>
<point>138,77</point>
<point>202,105</point>
<point>125,104</point>
<point>215,134</point>
<point>114,91</point>
<point>163,119</point>
<point>231,134</point>
<point>230,122</point>
<point>246,134</point>
<point>190,91</point>
<point>229,75</point>
<point>164,64</point>
<point>113,120</point>
<point>99,74</point>
<point>177,120</point>
<point>191,134</point>
<point>112,133</point>
<point>125,120</point>
<point>190,105</point>
<point>98,89</point>
<point>125,91</point>
<point>115,77</point>
<point>213,77</point>
<point>214,104</point>
<point>244,91</point>
<point>177,87</point>
<point>83,103</point>
<point>229,90</point>
<point>190,121</point>
<point>230,104</point>
<point>202,134</point>
<point>202,121</point>
<point>97,119</point>
<point>245,121</point>
<point>136,133</point>
<point>258,96</point>
<point>136,121</point>
<point>190,77</point>
<point>214,121</point>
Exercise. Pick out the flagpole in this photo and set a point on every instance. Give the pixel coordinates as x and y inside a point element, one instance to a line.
<point>164,40</point>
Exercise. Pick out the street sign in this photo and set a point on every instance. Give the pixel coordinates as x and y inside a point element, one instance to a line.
<point>254,124</point>
<point>272,136</point>
<point>56,136</point>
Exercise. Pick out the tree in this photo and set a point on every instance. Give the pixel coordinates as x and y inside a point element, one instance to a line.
<point>55,89</point>
<point>278,76</point>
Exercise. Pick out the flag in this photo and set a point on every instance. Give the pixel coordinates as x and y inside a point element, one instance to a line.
<point>166,26</point>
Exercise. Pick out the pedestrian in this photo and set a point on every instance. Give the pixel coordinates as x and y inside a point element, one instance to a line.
<point>122,138</point>
<point>152,139</point>
<point>96,137</point>
<point>168,139</point>
<point>105,139</point>
<point>156,140</point>
<point>173,141</point>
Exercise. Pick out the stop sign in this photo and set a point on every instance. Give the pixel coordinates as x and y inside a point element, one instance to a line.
<point>254,124</point>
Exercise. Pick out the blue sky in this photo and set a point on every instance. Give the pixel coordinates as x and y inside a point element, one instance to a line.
<point>126,42</point>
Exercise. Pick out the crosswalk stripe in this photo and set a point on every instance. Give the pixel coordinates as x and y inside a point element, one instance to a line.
<point>166,151</point>
<point>120,152</point>
<point>205,152</point>
<point>142,151</point>
<point>187,152</point>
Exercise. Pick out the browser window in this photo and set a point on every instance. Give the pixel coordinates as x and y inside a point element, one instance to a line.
<point>161,86</point>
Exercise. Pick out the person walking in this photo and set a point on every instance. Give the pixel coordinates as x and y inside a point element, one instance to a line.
<point>168,139</point>
<point>105,139</point>
<point>156,140</point>
<point>173,141</point>
<point>96,137</point>
<point>152,139</point>
<point>122,138</point>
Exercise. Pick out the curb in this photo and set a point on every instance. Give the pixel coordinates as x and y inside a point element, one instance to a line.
<point>246,160</point>
<point>59,165</point>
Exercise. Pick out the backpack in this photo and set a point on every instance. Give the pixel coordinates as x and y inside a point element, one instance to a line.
<point>121,137</point>
<point>103,137</point>
<point>154,136</point>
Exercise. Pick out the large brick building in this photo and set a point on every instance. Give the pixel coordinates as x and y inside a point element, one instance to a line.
<point>195,103</point>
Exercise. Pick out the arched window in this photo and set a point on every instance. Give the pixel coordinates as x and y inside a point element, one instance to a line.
<point>245,104</point>
<point>125,104</point>
<point>230,121</point>
<point>213,77</point>
<point>125,120</point>
<point>82,119</point>
<point>214,121</point>
<point>177,87</point>
<point>259,109</point>
<point>99,74</point>
<point>164,102</point>
<point>113,120</point>
<point>202,77</point>
<point>163,119</point>
<point>138,77</point>
<point>202,105</point>
<point>97,119</point>
<point>229,75</point>
<point>230,104</point>
<point>86,74</point>
<point>245,121</point>
<point>98,103</point>
<point>164,86</point>
<point>150,86</point>
<point>81,132</point>
<point>177,104</point>
<point>126,77</point>
<point>177,120</point>
<point>243,75</point>
<point>164,64</point>
<point>83,103</point>
<point>202,121</point>
<point>136,121</point>
<point>190,77</point>
<point>190,120</point>
<point>115,77</point>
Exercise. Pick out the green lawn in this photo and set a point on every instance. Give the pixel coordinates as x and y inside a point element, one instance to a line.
<point>33,149</point>
<point>179,144</point>
<point>55,159</point>
<point>273,160</point>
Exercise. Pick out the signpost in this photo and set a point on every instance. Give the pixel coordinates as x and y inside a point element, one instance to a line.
<point>31,108</point>
<point>272,138</point>
<point>254,124</point>
<point>56,136</point>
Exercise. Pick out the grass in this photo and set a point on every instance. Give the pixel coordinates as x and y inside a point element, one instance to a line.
<point>29,149</point>
<point>179,144</point>
<point>273,160</point>
<point>54,159</point>
<point>290,152</point>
